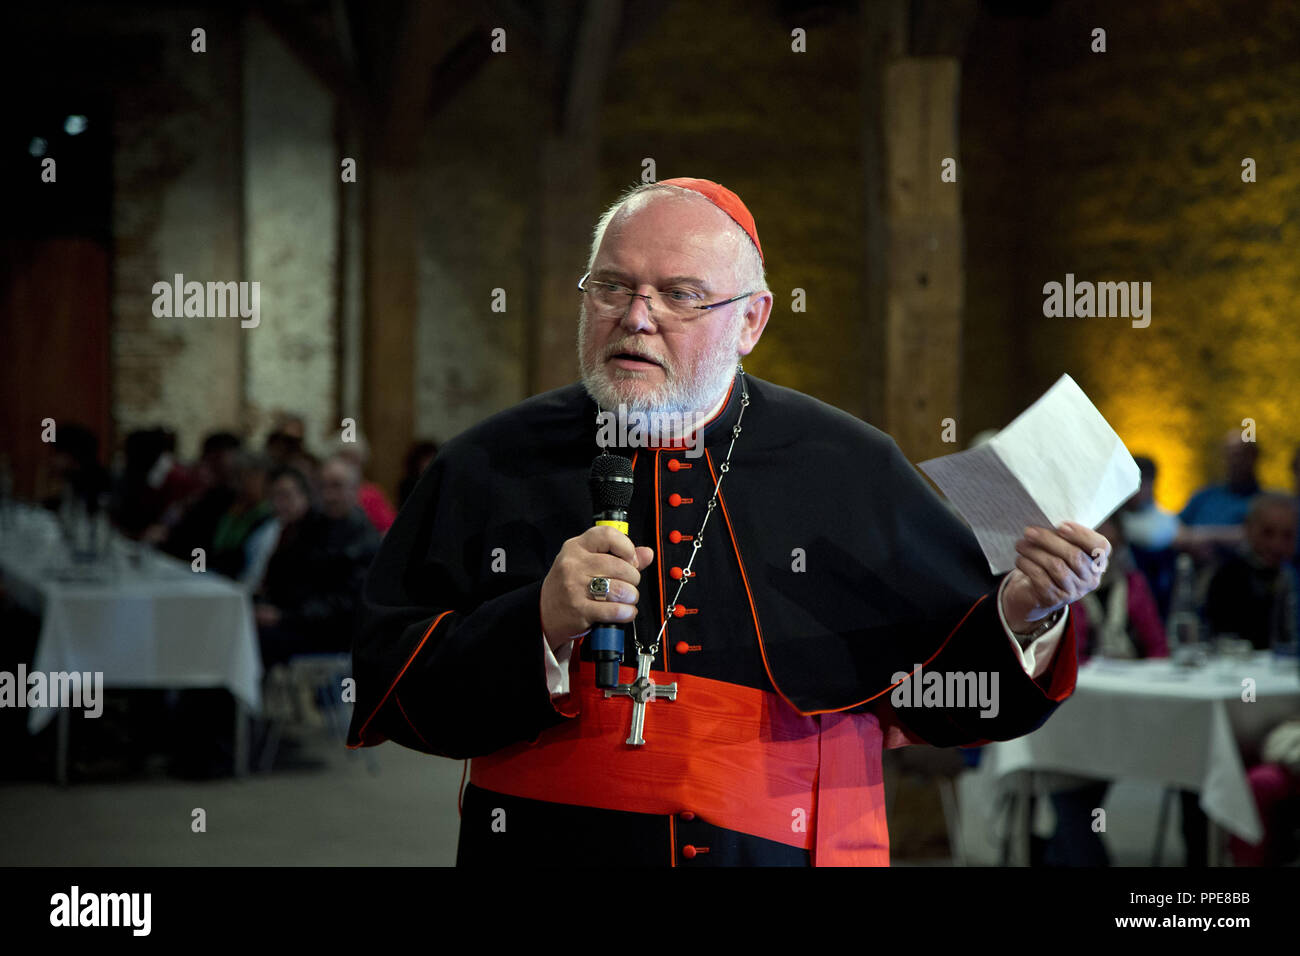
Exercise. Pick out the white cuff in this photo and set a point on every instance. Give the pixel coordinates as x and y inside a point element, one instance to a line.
<point>557,667</point>
<point>1035,656</point>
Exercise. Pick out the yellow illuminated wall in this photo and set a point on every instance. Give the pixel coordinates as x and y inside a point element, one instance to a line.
<point>1127,166</point>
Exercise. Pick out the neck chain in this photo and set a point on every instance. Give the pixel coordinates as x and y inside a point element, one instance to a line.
<point>698,540</point>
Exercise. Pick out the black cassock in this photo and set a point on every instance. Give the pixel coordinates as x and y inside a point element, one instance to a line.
<point>856,571</point>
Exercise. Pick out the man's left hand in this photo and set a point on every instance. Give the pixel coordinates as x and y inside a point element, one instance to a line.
<point>1054,568</point>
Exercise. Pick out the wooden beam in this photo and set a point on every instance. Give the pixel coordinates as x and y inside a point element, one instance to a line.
<point>925,271</point>
<point>567,201</point>
<point>390,174</point>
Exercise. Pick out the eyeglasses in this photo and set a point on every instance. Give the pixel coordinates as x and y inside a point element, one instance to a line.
<point>611,299</point>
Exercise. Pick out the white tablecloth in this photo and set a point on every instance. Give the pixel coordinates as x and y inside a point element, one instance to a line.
<point>141,618</point>
<point>1152,721</point>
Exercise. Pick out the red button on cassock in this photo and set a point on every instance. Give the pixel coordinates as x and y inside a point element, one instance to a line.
<point>674,499</point>
<point>688,851</point>
<point>675,573</point>
<point>687,815</point>
<point>675,537</point>
<point>673,464</point>
<point>682,647</point>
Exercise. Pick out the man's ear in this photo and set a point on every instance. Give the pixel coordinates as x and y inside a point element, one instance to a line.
<point>757,312</point>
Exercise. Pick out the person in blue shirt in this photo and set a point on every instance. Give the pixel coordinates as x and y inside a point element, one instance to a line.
<point>1227,503</point>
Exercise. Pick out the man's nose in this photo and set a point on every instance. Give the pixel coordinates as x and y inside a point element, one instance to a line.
<point>638,317</point>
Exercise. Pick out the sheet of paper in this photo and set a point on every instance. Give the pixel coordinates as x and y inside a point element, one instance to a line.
<point>1058,461</point>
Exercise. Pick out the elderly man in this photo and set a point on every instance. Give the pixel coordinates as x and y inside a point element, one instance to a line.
<point>1254,594</point>
<point>783,625</point>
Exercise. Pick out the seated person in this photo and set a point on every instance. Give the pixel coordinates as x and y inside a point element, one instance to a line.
<point>1151,532</point>
<point>1118,620</point>
<point>1227,503</point>
<point>1275,784</point>
<point>372,499</point>
<point>219,486</point>
<point>238,524</point>
<point>309,595</point>
<point>1254,593</point>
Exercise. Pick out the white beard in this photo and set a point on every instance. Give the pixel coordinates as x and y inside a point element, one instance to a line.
<point>695,396</point>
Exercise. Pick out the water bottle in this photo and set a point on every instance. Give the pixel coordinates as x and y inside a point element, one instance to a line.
<point>1185,643</point>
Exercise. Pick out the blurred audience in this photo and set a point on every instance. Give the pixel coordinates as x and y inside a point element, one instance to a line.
<point>372,499</point>
<point>235,541</point>
<point>1151,532</point>
<point>1275,785</point>
<point>1295,488</point>
<point>153,486</point>
<point>285,448</point>
<point>1254,594</point>
<point>307,599</point>
<point>216,489</point>
<point>1156,537</point>
<point>1120,621</point>
<point>73,469</point>
<point>1226,503</point>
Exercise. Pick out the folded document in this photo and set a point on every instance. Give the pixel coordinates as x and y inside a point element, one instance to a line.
<point>1058,461</point>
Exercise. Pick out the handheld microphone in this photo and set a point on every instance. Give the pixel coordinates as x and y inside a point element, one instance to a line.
<point>611,493</point>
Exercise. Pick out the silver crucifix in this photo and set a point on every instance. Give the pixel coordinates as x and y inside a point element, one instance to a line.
<point>642,691</point>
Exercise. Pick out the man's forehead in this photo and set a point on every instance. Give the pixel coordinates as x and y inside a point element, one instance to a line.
<point>670,235</point>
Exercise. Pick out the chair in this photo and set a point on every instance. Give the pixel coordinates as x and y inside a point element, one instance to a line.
<point>307,680</point>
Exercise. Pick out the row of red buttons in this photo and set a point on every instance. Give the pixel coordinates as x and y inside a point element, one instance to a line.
<point>675,572</point>
<point>689,851</point>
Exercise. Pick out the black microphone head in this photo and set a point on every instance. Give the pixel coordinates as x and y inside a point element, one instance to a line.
<point>610,483</point>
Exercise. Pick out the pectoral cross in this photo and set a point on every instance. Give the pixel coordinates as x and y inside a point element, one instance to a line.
<point>642,691</point>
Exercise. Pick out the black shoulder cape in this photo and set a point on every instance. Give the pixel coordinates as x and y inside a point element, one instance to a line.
<point>830,568</point>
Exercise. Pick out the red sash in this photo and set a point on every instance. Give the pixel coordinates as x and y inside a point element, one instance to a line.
<point>736,757</point>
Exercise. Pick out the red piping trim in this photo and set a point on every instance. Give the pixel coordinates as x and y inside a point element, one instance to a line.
<point>759,630</point>
<point>361,734</point>
<point>398,701</point>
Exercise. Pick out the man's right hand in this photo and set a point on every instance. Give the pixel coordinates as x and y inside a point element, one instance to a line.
<point>568,609</point>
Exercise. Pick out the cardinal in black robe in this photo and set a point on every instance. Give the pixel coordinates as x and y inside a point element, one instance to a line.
<point>833,603</point>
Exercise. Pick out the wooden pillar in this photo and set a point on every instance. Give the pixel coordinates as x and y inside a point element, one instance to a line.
<point>924,268</point>
<point>421,33</point>
<point>391,300</point>
<point>567,200</point>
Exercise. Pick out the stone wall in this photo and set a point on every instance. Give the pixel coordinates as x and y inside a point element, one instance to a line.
<point>1126,165</point>
<point>291,220</point>
<point>176,209</point>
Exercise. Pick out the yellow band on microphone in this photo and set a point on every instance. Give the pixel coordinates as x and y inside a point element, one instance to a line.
<point>618,525</point>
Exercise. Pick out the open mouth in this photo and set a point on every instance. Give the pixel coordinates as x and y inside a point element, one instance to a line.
<point>633,361</point>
